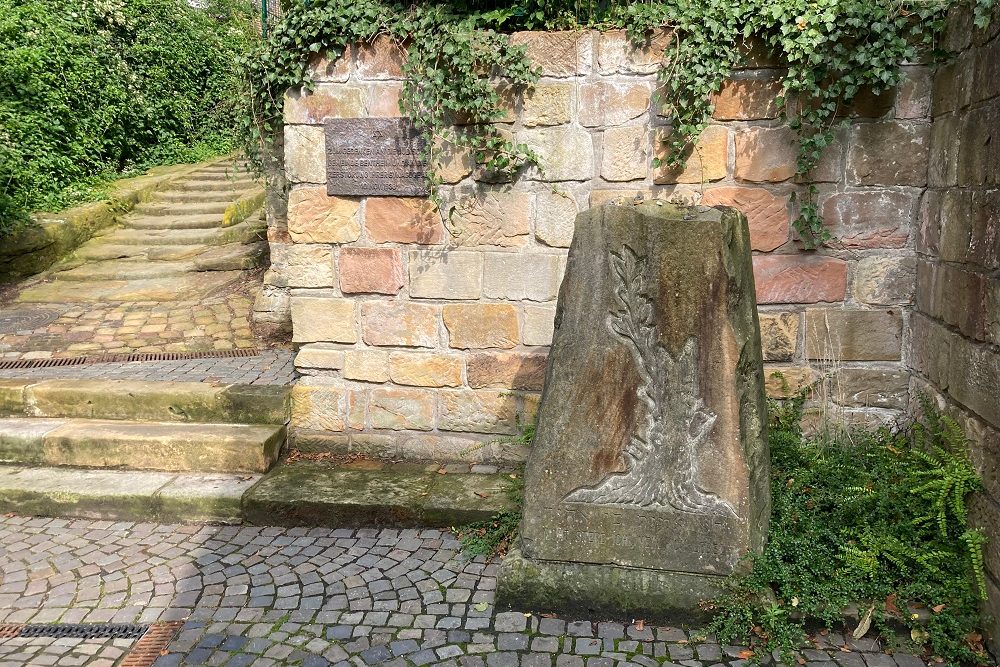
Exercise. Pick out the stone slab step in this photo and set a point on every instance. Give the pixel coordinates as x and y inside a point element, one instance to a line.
<point>100,251</point>
<point>198,183</point>
<point>124,270</point>
<point>131,445</point>
<point>244,232</point>
<point>194,402</point>
<point>197,221</point>
<point>182,208</point>
<point>190,287</point>
<point>220,194</point>
<point>123,495</point>
<point>367,493</point>
<point>232,257</point>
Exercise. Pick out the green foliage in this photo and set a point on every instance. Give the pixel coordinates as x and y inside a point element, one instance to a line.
<point>876,519</point>
<point>90,90</point>
<point>831,50</point>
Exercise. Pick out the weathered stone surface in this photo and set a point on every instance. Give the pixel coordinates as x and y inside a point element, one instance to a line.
<point>506,370</point>
<point>309,265</point>
<point>426,370</point>
<point>626,153</point>
<point>477,411</point>
<point>366,365</point>
<point>304,154</point>
<point>539,323</point>
<point>320,356</point>
<point>401,409</point>
<point>325,68</point>
<point>766,154</point>
<point>566,153</point>
<point>481,325</point>
<point>779,335</point>
<point>400,323</point>
<point>913,99</point>
<point>885,281</point>
<point>445,275</point>
<point>617,54</point>
<point>403,220</point>
<point>370,270</point>
<point>383,100</point>
<point>871,388</point>
<point>609,103</point>
<point>316,217</point>
<point>888,153</point>
<point>491,218</point>
<point>853,335</point>
<point>555,213</point>
<point>873,219</point>
<point>318,407</point>
<point>787,381</point>
<point>522,277</point>
<point>665,467</point>
<point>747,99</point>
<point>708,160</point>
<point>558,54</point>
<point>382,59</point>
<point>325,101</point>
<point>799,278</point>
<point>767,214</point>
<point>323,319</point>
<point>548,104</point>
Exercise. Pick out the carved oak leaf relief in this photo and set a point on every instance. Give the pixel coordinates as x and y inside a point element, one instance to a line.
<point>661,463</point>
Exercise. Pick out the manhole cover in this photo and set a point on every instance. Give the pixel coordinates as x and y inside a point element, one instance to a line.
<point>25,320</point>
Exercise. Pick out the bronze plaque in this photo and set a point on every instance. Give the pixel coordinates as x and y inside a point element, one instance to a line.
<point>374,156</point>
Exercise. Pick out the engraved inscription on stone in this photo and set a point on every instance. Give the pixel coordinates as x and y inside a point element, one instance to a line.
<point>374,157</point>
<point>662,469</point>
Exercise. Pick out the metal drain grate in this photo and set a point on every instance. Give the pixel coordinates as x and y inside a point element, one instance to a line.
<point>123,358</point>
<point>152,645</point>
<point>84,630</point>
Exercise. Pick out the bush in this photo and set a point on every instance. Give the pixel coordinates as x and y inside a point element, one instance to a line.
<point>872,518</point>
<point>96,88</point>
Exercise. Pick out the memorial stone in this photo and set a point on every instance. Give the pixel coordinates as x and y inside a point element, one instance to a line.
<point>374,156</point>
<point>648,479</point>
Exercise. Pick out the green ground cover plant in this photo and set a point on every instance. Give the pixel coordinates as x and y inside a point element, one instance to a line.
<point>831,50</point>
<point>872,518</point>
<point>93,90</point>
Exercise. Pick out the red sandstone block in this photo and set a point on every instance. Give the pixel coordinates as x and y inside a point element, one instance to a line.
<point>799,279</point>
<point>371,270</point>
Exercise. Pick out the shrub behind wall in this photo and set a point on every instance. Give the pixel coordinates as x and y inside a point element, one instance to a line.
<point>93,87</point>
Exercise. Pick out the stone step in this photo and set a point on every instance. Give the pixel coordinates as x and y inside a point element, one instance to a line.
<point>125,270</point>
<point>123,495</point>
<point>137,400</point>
<point>245,232</point>
<point>202,196</point>
<point>197,221</point>
<point>182,208</point>
<point>232,257</point>
<point>190,287</point>
<point>133,445</point>
<point>199,184</point>
<point>105,251</point>
<point>369,493</point>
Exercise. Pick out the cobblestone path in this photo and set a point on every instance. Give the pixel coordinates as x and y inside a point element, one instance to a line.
<point>313,597</point>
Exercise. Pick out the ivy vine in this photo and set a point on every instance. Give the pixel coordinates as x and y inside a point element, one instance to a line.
<point>829,51</point>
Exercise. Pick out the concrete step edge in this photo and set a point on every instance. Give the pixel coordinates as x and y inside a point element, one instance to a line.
<point>123,495</point>
<point>142,400</point>
<point>132,445</point>
<point>307,493</point>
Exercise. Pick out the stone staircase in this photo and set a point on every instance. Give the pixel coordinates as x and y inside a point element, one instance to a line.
<point>192,238</point>
<point>118,449</point>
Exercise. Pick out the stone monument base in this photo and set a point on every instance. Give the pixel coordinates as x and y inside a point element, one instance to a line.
<point>606,591</point>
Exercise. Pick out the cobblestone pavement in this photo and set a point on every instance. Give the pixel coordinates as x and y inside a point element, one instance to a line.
<point>312,597</point>
<point>269,367</point>
<point>219,323</point>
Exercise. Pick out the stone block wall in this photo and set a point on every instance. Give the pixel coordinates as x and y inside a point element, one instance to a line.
<point>956,323</point>
<point>421,335</point>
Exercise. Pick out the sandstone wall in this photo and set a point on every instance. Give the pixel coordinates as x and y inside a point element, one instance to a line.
<point>956,323</point>
<point>421,337</point>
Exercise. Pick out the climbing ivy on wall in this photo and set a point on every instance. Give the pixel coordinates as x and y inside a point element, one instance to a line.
<point>831,51</point>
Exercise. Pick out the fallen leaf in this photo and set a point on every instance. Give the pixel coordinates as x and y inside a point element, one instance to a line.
<point>973,637</point>
<point>482,606</point>
<point>919,635</point>
<point>801,661</point>
<point>938,608</point>
<point>549,615</point>
<point>9,515</point>
<point>640,625</point>
<point>481,495</point>
<point>824,632</point>
<point>890,605</point>
<point>864,625</point>
<point>746,654</point>
<point>442,471</point>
